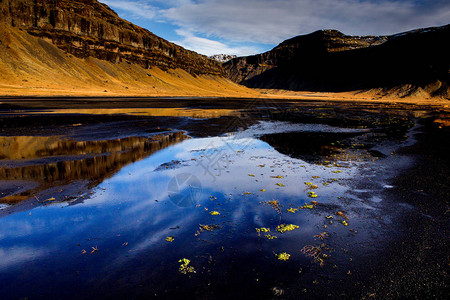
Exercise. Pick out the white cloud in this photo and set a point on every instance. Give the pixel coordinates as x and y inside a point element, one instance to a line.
<point>136,9</point>
<point>209,47</point>
<point>272,21</point>
<point>201,23</point>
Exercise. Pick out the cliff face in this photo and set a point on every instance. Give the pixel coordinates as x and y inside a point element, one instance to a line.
<point>88,28</point>
<point>331,61</point>
<point>304,47</point>
<point>222,57</point>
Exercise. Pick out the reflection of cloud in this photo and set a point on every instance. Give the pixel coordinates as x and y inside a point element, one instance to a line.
<point>126,206</point>
<point>18,255</point>
<point>17,227</point>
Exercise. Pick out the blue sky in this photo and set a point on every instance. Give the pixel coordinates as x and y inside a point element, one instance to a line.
<point>244,27</point>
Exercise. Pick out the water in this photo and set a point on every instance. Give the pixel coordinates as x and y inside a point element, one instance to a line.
<point>101,223</point>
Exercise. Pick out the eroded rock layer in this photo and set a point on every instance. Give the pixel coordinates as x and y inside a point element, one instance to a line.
<point>88,28</point>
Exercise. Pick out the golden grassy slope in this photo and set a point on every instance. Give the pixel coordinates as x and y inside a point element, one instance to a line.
<point>33,66</point>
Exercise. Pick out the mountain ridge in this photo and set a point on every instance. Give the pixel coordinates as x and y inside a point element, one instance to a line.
<point>408,63</point>
<point>83,48</point>
<point>88,28</point>
<point>222,58</point>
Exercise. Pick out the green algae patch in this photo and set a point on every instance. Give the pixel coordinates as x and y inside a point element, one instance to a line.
<point>312,195</point>
<point>270,237</point>
<point>262,229</point>
<point>286,227</point>
<point>283,256</point>
<point>209,228</point>
<point>322,235</point>
<point>184,267</point>
<point>341,214</point>
<point>307,206</point>
<point>316,253</point>
<point>275,205</point>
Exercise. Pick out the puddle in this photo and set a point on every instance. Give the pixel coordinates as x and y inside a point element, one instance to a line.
<point>55,161</point>
<point>195,113</point>
<point>270,208</point>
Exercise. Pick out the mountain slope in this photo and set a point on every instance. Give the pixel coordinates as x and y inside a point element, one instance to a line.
<point>88,28</point>
<point>82,47</point>
<point>411,63</point>
<point>33,66</point>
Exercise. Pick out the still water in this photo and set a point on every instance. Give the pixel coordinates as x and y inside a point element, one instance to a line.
<point>120,223</point>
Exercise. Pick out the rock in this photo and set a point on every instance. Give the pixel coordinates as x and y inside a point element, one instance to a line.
<point>222,57</point>
<point>88,28</point>
<point>330,61</point>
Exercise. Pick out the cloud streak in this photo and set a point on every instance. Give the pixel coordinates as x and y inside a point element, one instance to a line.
<point>202,23</point>
<point>210,47</point>
<point>272,21</point>
<point>136,9</point>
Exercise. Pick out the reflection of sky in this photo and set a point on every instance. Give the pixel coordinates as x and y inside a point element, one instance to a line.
<point>123,209</point>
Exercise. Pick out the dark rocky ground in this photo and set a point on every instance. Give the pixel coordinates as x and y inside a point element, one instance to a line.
<point>417,265</point>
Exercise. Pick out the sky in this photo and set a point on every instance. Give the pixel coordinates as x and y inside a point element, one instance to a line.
<point>245,27</point>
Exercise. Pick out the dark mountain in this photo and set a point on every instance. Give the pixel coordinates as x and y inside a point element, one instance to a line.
<point>408,63</point>
<point>88,28</point>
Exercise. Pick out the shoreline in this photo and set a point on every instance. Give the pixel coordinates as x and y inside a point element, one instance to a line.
<point>416,264</point>
<point>144,101</point>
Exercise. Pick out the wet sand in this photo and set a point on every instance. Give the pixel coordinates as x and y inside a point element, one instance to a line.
<point>415,260</point>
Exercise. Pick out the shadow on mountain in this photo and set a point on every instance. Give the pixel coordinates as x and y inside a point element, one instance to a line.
<point>329,61</point>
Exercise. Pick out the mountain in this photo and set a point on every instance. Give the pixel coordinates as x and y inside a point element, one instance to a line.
<point>88,28</point>
<point>410,63</point>
<point>222,57</point>
<point>60,46</point>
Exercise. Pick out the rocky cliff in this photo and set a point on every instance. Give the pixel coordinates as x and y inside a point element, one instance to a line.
<point>409,63</point>
<point>88,28</point>
<point>222,57</point>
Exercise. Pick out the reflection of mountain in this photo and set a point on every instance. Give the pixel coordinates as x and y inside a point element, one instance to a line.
<point>52,160</point>
<point>311,147</point>
<point>153,112</point>
<point>32,147</point>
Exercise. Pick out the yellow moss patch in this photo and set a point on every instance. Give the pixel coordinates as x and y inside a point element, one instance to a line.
<point>286,227</point>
